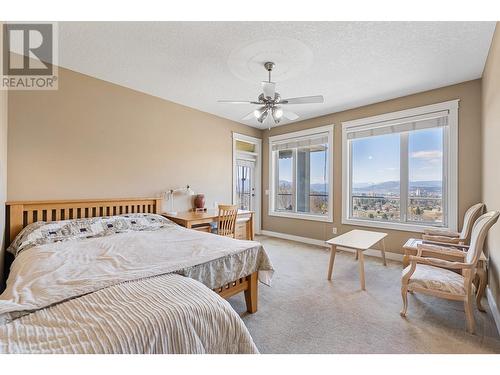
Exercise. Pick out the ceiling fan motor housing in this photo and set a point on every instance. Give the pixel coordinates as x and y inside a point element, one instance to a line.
<point>269,66</point>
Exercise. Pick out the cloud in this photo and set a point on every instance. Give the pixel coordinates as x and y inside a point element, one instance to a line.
<point>370,157</point>
<point>431,154</point>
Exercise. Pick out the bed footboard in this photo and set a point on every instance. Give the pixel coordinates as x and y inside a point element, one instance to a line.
<point>248,284</point>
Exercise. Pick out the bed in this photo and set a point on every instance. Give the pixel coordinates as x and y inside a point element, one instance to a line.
<point>72,269</point>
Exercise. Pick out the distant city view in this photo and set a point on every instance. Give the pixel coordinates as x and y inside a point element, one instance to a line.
<point>381,201</point>
<point>318,198</point>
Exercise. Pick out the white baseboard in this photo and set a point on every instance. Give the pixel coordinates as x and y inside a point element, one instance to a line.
<point>313,241</point>
<point>493,308</point>
<point>291,237</point>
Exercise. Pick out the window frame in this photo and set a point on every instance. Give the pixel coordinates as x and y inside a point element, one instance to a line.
<point>450,166</point>
<point>273,172</point>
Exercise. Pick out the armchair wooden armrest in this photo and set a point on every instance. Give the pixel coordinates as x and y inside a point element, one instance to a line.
<point>441,233</point>
<point>439,263</point>
<point>447,245</point>
<point>435,251</point>
<point>451,240</point>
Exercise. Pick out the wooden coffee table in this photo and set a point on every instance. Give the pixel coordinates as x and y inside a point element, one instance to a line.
<point>359,240</point>
<point>411,248</point>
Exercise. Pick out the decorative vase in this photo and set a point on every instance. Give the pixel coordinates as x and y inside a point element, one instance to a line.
<point>199,201</point>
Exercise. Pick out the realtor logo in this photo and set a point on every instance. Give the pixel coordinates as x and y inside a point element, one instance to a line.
<point>29,56</point>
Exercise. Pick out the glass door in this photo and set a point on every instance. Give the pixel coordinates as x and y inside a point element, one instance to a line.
<point>245,184</point>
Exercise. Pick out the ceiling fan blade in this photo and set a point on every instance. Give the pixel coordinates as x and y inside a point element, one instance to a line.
<point>249,116</point>
<point>235,101</point>
<point>268,88</point>
<point>304,100</point>
<point>238,102</point>
<point>290,115</point>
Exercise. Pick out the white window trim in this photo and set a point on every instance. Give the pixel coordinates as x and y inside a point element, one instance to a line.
<point>450,167</point>
<point>272,169</point>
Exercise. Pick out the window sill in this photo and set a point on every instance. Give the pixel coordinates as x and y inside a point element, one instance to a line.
<point>294,215</point>
<point>387,225</point>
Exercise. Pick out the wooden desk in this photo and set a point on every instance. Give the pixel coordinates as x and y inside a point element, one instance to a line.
<point>189,219</point>
<point>410,248</point>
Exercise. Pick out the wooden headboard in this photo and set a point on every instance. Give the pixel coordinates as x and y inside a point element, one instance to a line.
<point>22,213</point>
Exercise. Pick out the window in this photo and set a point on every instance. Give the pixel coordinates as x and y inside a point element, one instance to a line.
<point>301,175</point>
<point>399,169</point>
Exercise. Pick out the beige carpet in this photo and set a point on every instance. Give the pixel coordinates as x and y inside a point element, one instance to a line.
<point>304,313</point>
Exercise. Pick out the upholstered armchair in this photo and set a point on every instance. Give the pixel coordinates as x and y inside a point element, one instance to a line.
<point>445,236</point>
<point>448,279</point>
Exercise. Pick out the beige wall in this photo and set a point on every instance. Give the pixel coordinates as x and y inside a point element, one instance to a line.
<point>93,139</point>
<point>469,190</point>
<point>3,166</point>
<point>491,155</point>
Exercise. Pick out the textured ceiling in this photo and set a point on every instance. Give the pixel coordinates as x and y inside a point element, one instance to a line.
<point>349,63</point>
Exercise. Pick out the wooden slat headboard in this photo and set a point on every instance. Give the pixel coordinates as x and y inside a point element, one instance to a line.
<point>22,213</point>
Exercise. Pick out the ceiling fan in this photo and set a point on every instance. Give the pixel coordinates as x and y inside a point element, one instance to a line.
<point>270,101</point>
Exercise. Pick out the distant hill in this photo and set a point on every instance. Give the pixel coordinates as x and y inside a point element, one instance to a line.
<point>426,184</point>
<point>393,186</point>
<point>320,188</point>
<point>382,187</point>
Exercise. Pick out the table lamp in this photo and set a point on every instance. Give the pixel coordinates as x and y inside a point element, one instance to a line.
<point>169,195</point>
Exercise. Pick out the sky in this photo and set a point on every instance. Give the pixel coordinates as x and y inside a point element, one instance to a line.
<point>376,159</point>
<point>317,168</point>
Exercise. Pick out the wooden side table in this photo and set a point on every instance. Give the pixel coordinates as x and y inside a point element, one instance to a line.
<point>410,248</point>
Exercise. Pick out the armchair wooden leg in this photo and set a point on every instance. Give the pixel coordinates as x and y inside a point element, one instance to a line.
<point>404,295</point>
<point>406,260</point>
<point>251,294</point>
<point>481,272</point>
<point>469,315</point>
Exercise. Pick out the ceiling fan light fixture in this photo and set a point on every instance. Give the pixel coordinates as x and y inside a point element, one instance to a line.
<point>277,114</point>
<point>259,112</point>
<point>263,115</point>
